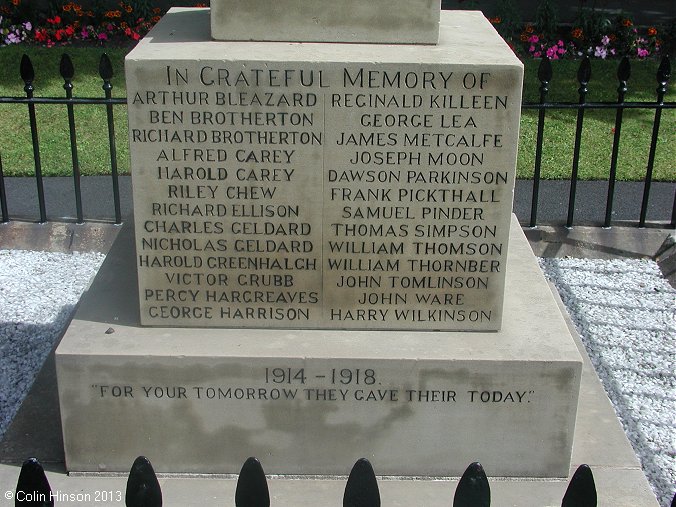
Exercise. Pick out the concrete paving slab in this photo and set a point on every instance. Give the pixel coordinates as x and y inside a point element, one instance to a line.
<point>596,242</point>
<point>666,259</point>
<point>58,236</point>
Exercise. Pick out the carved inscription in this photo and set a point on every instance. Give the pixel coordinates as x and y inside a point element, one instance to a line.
<point>341,384</point>
<point>308,196</point>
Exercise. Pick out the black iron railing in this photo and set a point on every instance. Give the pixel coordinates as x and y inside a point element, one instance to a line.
<point>67,71</point>
<point>583,78</point>
<point>361,490</point>
<point>544,76</point>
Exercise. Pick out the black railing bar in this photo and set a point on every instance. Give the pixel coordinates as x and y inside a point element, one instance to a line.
<point>583,77</point>
<point>27,75</point>
<point>544,75</point>
<point>612,176</point>
<point>60,100</point>
<point>649,170</point>
<point>623,74</point>
<point>663,74</point>
<point>67,71</point>
<point>598,105</point>
<point>673,214</point>
<point>3,195</point>
<point>106,73</point>
<point>535,196</point>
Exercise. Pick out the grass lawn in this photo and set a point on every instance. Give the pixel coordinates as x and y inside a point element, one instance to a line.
<point>16,146</point>
<point>17,156</point>
<point>598,131</point>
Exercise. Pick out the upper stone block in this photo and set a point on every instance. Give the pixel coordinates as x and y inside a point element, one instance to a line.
<point>327,186</point>
<point>360,21</point>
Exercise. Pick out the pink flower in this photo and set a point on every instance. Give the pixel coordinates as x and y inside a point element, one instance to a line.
<point>533,39</point>
<point>531,49</point>
<point>28,26</point>
<point>642,53</point>
<point>560,43</point>
<point>103,36</point>
<point>12,39</point>
<point>537,54</point>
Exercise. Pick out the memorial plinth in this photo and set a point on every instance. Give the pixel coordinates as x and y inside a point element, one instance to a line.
<point>338,186</point>
<point>309,401</point>
<point>324,247</point>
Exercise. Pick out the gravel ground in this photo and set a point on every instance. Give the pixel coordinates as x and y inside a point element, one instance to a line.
<point>624,310</point>
<point>38,293</point>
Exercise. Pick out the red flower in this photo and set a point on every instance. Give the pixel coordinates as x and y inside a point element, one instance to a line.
<point>70,31</point>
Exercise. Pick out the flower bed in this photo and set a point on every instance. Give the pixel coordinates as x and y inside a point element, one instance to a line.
<point>592,35</point>
<point>619,39</point>
<point>72,24</point>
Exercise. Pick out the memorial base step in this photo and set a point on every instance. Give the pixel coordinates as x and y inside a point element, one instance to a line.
<point>310,401</point>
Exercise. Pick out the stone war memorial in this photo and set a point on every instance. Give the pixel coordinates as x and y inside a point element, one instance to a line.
<point>323,263</point>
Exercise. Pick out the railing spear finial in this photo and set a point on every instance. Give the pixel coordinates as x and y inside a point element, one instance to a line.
<point>252,487</point>
<point>361,489</point>
<point>473,489</point>
<point>143,488</point>
<point>581,491</point>
<point>33,488</point>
